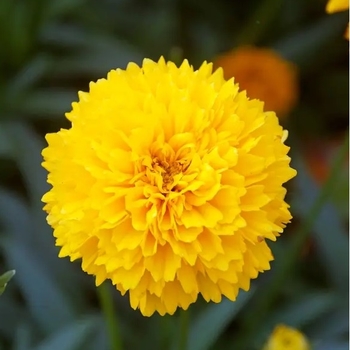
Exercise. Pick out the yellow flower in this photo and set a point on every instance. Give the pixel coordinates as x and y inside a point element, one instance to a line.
<point>167,183</point>
<point>338,6</point>
<point>264,75</point>
<point>286,338</point>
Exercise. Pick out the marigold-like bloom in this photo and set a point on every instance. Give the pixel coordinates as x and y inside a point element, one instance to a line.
<point>168,183</point>
<point>264,75</point>
<point>287,338</point>
<point>338,6</point>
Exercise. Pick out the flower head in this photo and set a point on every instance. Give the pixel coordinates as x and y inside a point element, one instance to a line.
<point>168,183</point>
<point>264,75</point>
<point>338,6</point>
<point>286,338</point>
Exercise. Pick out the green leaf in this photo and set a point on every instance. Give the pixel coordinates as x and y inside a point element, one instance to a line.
<point>40,289</point>
<point>332,346</point>
<point>26,152</point>
<point>15,217</point>
<point>260,20</point>
<point>332,92</point>
<point>46,103</point>
<point>23,337</point>
<point>206,43</point>
<point>29,75</point>
<point>99,339</point>
<point>28,223</point>
<point>5,278</point>
<point>298,313</point>
<point>334,325</point>
<point>307,46</point>
<point>20,34</point>
<point>92,54</point>
<point>328,230</point>
<point>71,337</point>
<point>14,312</point>
<point>214,320</point>
<point>57,8</point>
<point>5,143</point>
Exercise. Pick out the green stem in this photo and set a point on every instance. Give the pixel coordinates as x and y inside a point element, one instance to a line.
<point>258,22</point>
<point>285,266</point>
<point>106,302</point>
<point>165,326</point>
<point>184,325</point>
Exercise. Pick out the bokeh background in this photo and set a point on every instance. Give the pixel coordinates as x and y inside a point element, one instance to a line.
<point>51,49</point>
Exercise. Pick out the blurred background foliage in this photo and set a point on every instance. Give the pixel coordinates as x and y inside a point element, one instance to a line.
<point>52,49</point>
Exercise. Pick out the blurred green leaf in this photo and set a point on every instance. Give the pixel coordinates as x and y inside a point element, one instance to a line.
<point>329,232</point>
<point>57,8</point>
<point>14,311</point>
<point>340,197</point>
<point>331,92</point>
<point>306,47</point>
<point>5,144</point>
<point>332,346</point>
<point>206,43</point>
<point>40,290</point>
<point>20,33</point>
<point>26,152</point>
<point>298,313</point>
<point>4,279</point>
<point>44,103</point>
<point>259,21</point>
<point>96,56</point>
<point>98,338</point>
<point>333,326</point>
<point>70,337</point>
<point>68,36</point>
<point>310,307</point>
<point>23,336</point>
<point>93,65</point>
<point>28,224</point>
<point>29,75</point>
<point>15,217</point>
<point>214,320</point>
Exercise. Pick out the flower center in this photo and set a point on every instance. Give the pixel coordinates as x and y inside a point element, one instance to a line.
<point>167,170</point>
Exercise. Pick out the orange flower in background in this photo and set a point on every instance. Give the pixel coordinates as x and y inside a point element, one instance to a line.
<point>264,75</point>
<point>338,6</point>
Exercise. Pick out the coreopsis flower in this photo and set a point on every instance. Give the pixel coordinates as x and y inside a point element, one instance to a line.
<point>286,338</point>
<point>168,183</point>
<point>264,75</point>
<point>338,6</point>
